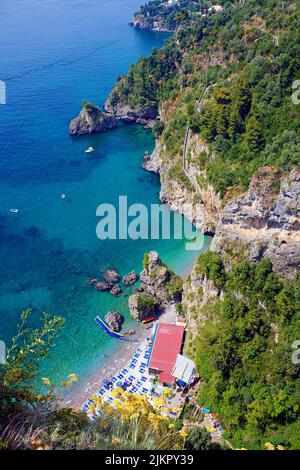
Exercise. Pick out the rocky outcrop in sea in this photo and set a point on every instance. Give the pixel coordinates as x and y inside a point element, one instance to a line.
<point>130,279</point>
<point>159,287</point>
<point>114,320</point>
<point>111,276</point>
<point>91,120</point>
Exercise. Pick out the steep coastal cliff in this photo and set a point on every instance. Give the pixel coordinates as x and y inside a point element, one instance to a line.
<point>264,223</point>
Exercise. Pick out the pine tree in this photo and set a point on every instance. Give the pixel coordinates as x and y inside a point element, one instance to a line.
<point>254,134</point>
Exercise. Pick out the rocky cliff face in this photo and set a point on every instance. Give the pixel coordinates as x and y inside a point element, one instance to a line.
<point>140,21</point>
<point>198,293</point>
<point>91,120</point>
<point>139,115</point>
<point>264,223</point>
<point>200,205</point>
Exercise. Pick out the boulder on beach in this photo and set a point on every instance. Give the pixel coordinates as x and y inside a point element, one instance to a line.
<point>130,278</point>
<point>116,290</point>
<point>111,276</point>
<point>114,320</point>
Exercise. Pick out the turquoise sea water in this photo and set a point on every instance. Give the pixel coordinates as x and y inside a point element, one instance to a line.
<point>53,55</point>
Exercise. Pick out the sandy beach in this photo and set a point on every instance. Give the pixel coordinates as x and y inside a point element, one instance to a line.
<point>81,391</point>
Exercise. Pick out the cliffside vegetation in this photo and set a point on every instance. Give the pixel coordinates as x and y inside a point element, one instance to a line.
<point>243,353</point>
<point>249,54</point>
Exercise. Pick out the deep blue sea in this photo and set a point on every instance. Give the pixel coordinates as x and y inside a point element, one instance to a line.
<point>53,55</point>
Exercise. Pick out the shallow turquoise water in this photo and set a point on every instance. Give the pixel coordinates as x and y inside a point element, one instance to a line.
<point>54,54</point>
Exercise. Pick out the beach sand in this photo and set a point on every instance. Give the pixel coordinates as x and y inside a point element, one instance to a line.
<point>120,358</point>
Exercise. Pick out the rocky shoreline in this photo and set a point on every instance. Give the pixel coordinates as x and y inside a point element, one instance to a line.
<point>91,120</point>
<point>139,21</point>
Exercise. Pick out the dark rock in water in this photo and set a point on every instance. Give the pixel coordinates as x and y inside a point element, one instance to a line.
<point>101,286</point>
<point>111,276</point>
<point>90,120</point>
<point>114,320</point>
<point>116,290</point>
<point>130,278</point>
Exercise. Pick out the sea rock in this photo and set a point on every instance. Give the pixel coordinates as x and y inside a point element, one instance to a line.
<point>142,305</point>
<point>101,286</point>
<point>130,278</point>
<point>111,276</point>
<point>264,223</point>
<point>116,290</point>
<point>158,281</point>
<point>90,120</point>
<point>114,320</point>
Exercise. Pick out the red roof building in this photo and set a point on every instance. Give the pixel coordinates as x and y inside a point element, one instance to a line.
<point>166,345</point>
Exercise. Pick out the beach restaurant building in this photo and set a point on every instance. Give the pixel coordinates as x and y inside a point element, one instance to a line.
<point>166,362</point>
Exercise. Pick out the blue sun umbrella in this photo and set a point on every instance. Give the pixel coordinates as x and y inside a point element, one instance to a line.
<point>119,384</point>
<point>105,381</point>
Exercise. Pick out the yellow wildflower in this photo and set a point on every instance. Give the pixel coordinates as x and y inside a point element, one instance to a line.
<point>269,446</point>
<point>116,442</point>
<point>46,381</point>
<point>73,377</point>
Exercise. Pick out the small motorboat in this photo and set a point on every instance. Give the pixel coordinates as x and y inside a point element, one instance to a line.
<point>90,150</point>
<point>14,210</point>
<point>63,196</point>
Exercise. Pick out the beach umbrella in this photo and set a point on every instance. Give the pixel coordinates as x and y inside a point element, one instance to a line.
<point>119,384</point>
<point>105,381</point>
